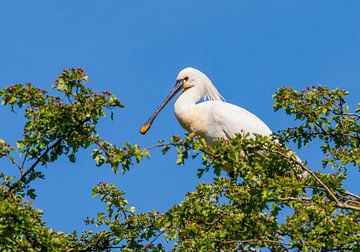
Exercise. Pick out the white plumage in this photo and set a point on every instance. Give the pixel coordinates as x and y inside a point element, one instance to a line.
<point>212,117</point>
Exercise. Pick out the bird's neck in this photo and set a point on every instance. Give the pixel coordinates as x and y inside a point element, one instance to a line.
<point>187,100</point>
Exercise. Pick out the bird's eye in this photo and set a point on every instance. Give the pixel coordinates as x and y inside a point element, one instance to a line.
<point>186,78</point>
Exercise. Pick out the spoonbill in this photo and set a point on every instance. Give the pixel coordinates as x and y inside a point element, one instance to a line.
<point>213,119</point>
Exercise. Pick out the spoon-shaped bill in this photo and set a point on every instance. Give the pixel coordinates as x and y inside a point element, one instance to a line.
<point>146,126</point>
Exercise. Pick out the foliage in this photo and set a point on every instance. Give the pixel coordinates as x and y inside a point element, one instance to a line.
<point>55,126</point>
<point>325,117</point>
<point>266,203</point>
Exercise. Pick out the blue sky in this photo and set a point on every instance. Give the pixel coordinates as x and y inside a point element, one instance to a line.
<point>136,48</point>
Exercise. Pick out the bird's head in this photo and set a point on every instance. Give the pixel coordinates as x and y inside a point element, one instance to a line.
<point>190,77</point>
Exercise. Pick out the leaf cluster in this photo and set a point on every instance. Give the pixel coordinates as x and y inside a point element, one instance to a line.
<point>55,125</point>
<point>271,199</point>
<point>325,116</point>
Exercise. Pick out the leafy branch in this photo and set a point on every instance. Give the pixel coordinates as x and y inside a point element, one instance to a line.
<point>319,181</point>
<point>264,205</point>
<point>33,166</point>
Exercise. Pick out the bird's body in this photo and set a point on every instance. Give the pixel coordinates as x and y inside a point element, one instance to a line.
<point>213,119</point>
<point>201,109</point>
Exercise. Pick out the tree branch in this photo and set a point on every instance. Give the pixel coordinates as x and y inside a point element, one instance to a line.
<point>214,222</point>
<point>352,194</point>
<point>253,241</point>
<point>23,164</point>
<point>32,167</point>
<point>146,246</point>
<point>15,163</point>
<point>318,180</point>
<point>313,133</point>
<point>94,140</point>
<point>185,145</point>
<point>159,145</point>
<point>294,198</point>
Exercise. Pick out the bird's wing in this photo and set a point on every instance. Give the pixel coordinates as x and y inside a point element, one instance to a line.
<point>234,119</point>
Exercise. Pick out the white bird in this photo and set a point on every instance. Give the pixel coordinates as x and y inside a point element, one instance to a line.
<point>213,119</point>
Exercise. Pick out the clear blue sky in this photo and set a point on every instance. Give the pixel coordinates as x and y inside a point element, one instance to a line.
<point>135,49</point>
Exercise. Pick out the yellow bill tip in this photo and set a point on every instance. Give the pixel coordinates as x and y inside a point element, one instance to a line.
<point>144,128</point>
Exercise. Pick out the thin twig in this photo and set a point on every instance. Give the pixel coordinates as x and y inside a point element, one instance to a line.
<point>185,145</point>
<point>159,145</point>
<point>253,241</point>
<point>295,198</point>
<point>214,222</point>
<point>15,163</point>
<point>313,133</point>
<point>146,246</point>
<point>349,201</point>
<point>352,194</point>
<point>23,164</point>
<point>32,167</point>
<point>348,114</point>
<point>94,140</point>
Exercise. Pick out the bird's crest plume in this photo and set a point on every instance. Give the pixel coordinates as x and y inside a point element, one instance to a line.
<point>212,94</point>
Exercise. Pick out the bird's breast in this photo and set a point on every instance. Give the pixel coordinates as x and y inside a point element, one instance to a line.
<point>192,119</point>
